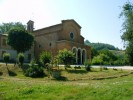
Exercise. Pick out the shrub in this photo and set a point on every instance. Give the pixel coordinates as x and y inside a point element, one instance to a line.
<point>56,62</point>
<point>66,57</point>
<point>56,74</point>
<point>32,62</point>
<point>87,64</point>
<point>34,71</point>
<point>45,57</point>
<point>6,57</point>
<point>21,58</point>
<point>105,68</point>
<point>97,60</point>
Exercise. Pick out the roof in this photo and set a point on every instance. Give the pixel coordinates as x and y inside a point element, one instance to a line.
<point>47,27</point>
<point>58,25</point>
<point>73,21</point>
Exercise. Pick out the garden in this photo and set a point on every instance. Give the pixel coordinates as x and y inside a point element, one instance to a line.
<point>48,80</point>
<point>73,84</point>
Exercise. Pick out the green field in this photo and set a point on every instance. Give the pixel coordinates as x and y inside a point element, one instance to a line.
<point>75,85</point>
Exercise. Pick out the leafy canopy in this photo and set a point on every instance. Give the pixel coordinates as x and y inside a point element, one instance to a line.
<point>127,37</point>
<point>20,39</point>
<point>5,27</point>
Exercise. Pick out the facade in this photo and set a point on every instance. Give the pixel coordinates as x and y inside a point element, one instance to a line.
<point>57,37</point>
<point>67,35</point>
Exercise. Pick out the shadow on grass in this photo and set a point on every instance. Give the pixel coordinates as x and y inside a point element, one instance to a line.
<point>77,71</point>
<point>95,70</point>
<point>1,73</point>
<point>11,73</point>
<point>25,67</point>
<point>61,78</point>
<point>103,78</point>
<point>39,76</point>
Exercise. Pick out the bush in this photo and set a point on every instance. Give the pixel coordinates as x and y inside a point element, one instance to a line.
<point>87,64</point>
<point>66,57</point>
<point>45,57</point>
<point>6,57</point>
<point>97,60</point>
<point>56,74</point>
<point>21,58</point>
<point>34,71</point>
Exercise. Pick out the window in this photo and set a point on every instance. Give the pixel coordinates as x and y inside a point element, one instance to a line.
<point>39,46</point>
<point>72,35</point>
<point>50,44</point>
<point>4,42</point>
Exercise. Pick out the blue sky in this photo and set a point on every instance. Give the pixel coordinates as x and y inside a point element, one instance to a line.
<point>99,19</point>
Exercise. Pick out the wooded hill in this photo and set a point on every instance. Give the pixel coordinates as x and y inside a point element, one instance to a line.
<point>100,46</point>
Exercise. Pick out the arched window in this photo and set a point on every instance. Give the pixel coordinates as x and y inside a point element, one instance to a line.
<point>72,35</point>
<point>79,56</point>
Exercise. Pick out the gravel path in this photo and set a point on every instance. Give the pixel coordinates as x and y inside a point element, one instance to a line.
<point>117,67</point>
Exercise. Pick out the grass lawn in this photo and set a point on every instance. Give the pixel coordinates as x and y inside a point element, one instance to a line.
<point>78,85</point>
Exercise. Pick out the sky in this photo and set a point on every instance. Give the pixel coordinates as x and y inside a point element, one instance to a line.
<point>99,19</point>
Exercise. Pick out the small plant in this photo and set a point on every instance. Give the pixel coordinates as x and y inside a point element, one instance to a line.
<point>56,74</point>
<point>32,62</point>
<point>87,64</point>
<point>56,61</point>
<point>66,57</point>
<point>6,57</point>
<point>21,58</point>
<point>45,57</point>
<point>105,68</point>
<point>34,71</point>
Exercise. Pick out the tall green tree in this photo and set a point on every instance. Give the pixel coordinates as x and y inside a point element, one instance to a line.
<point>20,40</point>
<point>5,27</point>
<point>127,14</point>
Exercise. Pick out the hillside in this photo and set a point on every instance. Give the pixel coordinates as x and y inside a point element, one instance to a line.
<point>100,46</point>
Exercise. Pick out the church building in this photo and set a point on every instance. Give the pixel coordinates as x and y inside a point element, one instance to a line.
<point>66,35</point>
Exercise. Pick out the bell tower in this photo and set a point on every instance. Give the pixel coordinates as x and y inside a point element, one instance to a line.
<point>30,26</point>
